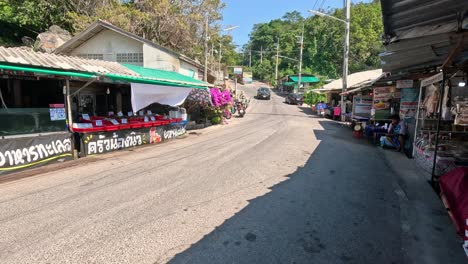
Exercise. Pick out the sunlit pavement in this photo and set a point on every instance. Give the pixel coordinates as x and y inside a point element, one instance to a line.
<point>277,186</point>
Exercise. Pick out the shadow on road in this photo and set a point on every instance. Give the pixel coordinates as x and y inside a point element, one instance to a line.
<point>279,93</point>
<point>336,208</point>
<point>307,111</point>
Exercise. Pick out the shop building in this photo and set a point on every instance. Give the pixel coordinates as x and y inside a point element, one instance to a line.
<point>359,85</point>
<point>426,54</point>
<point>57,107</point>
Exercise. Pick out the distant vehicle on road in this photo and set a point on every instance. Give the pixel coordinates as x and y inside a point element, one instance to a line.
<point>263,93</point>
<point>294,98</point>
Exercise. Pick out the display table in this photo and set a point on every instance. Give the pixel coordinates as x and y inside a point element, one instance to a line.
<point>102,141</point>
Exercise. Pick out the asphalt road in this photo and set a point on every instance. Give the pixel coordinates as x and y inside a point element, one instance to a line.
<point>277,186</point>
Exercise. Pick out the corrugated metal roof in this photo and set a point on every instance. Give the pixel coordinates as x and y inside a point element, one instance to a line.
<point>305,79</point>
<point>405,18</point>
<point>60,62</point>
<point>422,53</point>
<point>25,60</point>
<point>354,80</point>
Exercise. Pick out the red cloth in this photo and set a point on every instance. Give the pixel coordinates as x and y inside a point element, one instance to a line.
<point>454,186</point>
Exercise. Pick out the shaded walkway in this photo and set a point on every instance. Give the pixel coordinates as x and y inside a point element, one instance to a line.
<point>339,208</point>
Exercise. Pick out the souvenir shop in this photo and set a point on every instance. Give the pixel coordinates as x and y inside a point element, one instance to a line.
<point>441,137</point>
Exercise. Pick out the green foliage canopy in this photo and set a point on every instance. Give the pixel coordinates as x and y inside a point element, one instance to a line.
<point>323,43</point>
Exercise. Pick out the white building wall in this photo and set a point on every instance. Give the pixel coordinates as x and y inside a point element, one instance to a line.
<point>109,44</point>
<point>189,70</point>
<point>159,59</point>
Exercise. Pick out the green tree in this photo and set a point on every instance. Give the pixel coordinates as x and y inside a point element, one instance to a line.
<point>176,24</point>
<point>323,41</point>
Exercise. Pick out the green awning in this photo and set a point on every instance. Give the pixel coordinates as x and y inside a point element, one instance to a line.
<point>158,77</point>
<point>288,83</point>
<point>47,71</point>
<point>305,79</point>
<point>148,76</point>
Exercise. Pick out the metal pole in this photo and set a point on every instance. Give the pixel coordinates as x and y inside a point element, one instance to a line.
<point>68,103</point>
<point>441,99</point>
<point>417,118</point>
<point>300,60</point>
<point>205,74</point>
<point>219,72</point>
<point>235,86</point>
<point>261,54</point>
<point>250,58</point>
<point>277,54</point>
<point>69,115</point>
<point>345,60</point>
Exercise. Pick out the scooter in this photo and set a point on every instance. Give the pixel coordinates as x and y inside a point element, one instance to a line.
<point>240,108</point>
<point>246,103</point>
<point>233,109</point>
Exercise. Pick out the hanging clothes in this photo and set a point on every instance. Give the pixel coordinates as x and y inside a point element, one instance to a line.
<point>446,115</point>
<point>431,100</point>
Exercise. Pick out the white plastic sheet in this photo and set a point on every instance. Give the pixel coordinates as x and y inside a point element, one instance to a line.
<point>146,94</point>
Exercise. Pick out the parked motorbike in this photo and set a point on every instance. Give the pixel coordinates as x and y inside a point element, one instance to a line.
<point>233,109</point>
<point>246,103</point>
<point>240,108</point>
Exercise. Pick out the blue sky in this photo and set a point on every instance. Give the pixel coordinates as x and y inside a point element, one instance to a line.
<point>246,13</point>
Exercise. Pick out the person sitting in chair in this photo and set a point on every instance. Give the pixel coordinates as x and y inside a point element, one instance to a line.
<point>397,134</point>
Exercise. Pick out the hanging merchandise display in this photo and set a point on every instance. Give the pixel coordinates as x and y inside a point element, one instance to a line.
<point>441,139</point>
<point>431,100</point>
<point>446,102</point>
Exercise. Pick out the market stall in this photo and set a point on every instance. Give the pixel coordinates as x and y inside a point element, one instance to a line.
<point>51,105</point>
<point>33,129</point>
<point>441,139</point>
<point>154,117</point>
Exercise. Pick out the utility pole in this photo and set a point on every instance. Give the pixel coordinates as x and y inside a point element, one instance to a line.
<point>205,74</point>
<point>277,56</point>
<point>301,41</point>
<point>345,60</point>
<point>261,54</point>
<point>212,50</point>
<point>250,58</point>
<point>219,72</point>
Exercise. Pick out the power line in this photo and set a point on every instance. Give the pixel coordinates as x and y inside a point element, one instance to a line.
<point>315,4</point>
<point>321,5</point>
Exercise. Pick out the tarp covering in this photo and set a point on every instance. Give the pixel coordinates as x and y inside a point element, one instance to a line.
<point>454,187</point>
<point>146,94</point>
